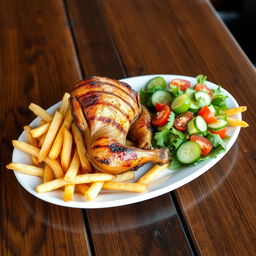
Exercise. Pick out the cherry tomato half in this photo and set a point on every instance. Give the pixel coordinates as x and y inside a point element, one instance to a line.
<point>203,143</point>
<point>207,114</point>
<point>159,106</point>
<point>161,116</point>
<point>181,83</point>
<point>221,132</point>
<point>204,88</point>
<point>180,122</point>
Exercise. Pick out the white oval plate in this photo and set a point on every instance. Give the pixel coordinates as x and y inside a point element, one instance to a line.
<point>166,182</point>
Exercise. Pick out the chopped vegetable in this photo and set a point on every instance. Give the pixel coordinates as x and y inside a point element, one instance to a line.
<point>161,117</point>
<point>181,83</point>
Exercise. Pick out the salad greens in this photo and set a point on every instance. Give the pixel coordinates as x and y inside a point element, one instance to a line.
<point>200,128</point>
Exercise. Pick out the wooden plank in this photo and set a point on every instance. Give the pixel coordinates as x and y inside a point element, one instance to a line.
<point>122,230</point>
<point>186,37</point>
<point>38,64</point>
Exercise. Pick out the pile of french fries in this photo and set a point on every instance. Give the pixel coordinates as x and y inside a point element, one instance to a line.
<point>58,156</point>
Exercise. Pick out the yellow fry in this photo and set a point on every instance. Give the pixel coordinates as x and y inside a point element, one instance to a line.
<point>94,190</point>
<point>236,122</point>
<point>124,176</point>
<point>34,151</point>
<point>234,111</point>
<point>56,147</point>
<point>41,141</point>
<point>92,177</point>
<point>66,149</point>
<point>39,131</point>
<point>81,188</point>
<point>73,168</point>
<point>123,186</point>
<point>64,104</point>
<point>27,169</point>
<point>48,173</point>
<point>152,173</point>
<point>40,112</point>
<point>80,148</point>
<point>68,192</point>
<point>31,141</point>
<point>51,185</point>
<point>51,133</point>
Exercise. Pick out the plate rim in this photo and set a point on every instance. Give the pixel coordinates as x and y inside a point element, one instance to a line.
<point>140,196</point>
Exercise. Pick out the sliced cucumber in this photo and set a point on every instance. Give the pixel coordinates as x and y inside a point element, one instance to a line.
<point>194,106</point>
<point>218,125</point>
<point>211,107</point>
<point>181,103</point>
<point>203,98</point>
<point>200,124</point>
<point>156,83</point>
<point>222,116</point>
<point>191,128</point>
<point>188,152</point>
<point>190,92</point>
<point>161,96</point>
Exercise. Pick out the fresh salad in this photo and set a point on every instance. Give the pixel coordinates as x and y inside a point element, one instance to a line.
<point>189,119</point>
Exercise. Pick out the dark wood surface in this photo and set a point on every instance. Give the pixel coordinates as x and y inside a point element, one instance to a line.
<point>46,46</point>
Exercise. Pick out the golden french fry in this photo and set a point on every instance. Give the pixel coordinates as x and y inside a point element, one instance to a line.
<point>56,147</point>
<point>234,111</point>
<point>40,112</point>
<point>34,151</point>
<point>66,149</point>
<point>68,192</point>
<point>92,177</point>
<point>152,173</point>
<point>236,122</point>
<point>80,148</point>
<point>73,168</point>
<point>94,190</point>
<point>124,176</point>
<point>48,173</point>
<point>41,141</point>
<point>123,186</point>
<point>51,185</point>
<point>31,141</point>
<point>39,131</point>
<point>50,136</point>
<point>81,188</point>
<point>64,104</point>
<point>27,169</point>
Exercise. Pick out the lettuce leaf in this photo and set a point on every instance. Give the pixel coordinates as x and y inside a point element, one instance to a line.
<point>201,79</point>
<point>175,90</point>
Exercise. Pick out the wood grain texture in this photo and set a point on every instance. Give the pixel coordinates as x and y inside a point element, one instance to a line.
<point>129,230</point>
<point>186,37</point>
<point>37,64</point>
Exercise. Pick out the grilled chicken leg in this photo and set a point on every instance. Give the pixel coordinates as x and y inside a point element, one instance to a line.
<point>104,109</point>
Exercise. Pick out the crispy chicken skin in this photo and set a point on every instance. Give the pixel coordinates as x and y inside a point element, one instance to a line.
<point>104,110</point>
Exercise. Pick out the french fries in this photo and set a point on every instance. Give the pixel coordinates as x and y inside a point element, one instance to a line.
<point>123,186</point>
<point>91,193</point>
<point>152,173</point>
<point>64,103</point>
<point>39,131</point>
<point>49,138</point>
<point>234,111</point>
<point>48,173</point>
<point>66,149</point>
<point>236,122</point>
<point>68,192</point>
<point>27,169</point>
<point>40,112</point>
<point>73,168</point>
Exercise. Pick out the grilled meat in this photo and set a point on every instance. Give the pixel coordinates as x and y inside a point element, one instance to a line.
<point>104,109</point>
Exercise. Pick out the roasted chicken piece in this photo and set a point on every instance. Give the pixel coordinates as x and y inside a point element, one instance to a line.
<point>141,132</point>
<point>104,109</point>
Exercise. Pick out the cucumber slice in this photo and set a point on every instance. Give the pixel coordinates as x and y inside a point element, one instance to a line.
<point>191,128</point>
<point>156,83</point>
<point>211,107</point>
<point>188,152</point>
<point>203,98</point>
<point>194,106</point>
<point>222,116</point>
<point>181,103</point>
<point>190,92</point>
<point>218,125</point>
<point>161,96</point>
<point>200,124</point>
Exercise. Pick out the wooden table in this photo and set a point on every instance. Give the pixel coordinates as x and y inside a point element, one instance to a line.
<point>46,46</point>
